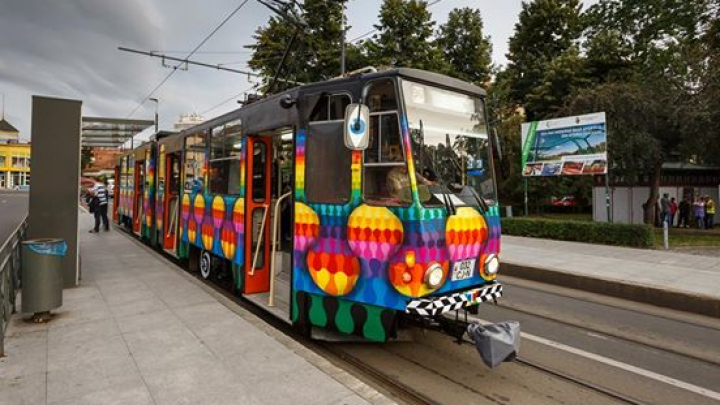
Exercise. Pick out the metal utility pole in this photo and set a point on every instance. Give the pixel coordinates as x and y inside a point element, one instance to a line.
<point>342,41</point>
<point>156,113</point>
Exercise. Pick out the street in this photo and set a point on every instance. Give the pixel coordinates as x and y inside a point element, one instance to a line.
<point>575,345</point>
<point>13,208</point>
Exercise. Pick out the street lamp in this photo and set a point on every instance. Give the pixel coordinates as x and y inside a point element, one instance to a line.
<point>156,112</point>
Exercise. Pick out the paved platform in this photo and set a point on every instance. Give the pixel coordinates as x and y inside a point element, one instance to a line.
<point>139,330</point>
<point>638,272</point>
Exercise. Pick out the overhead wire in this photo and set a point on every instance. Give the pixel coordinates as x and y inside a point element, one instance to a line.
<point>174,68</point>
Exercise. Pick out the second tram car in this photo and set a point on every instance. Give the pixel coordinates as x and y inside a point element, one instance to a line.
<point>349,205</point>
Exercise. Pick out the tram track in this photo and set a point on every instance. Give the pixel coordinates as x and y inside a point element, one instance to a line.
<point>523,381</point>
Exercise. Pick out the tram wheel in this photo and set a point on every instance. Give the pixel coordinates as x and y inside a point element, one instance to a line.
<point>206,264</point>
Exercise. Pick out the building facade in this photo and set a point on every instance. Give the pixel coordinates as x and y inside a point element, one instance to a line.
<point>14,165</point>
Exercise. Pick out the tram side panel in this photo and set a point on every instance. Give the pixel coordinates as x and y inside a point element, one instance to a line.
<point>207,221</point>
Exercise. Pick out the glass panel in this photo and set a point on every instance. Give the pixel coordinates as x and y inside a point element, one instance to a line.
<point>381,96</point>
<point>338,104</point>
<point>450,144</point>
<point>225,151</point>
<point>327,164</point>
<point>194,163</point>
<point>258,171</point>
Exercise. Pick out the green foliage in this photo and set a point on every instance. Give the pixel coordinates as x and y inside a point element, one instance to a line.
<point>546,30</point>
<point>315,54</point>
<point>405,37</point>
<point>581,231</point>
<point>465,47</point>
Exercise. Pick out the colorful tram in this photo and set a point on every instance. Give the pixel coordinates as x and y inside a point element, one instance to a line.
<point>350,205</point>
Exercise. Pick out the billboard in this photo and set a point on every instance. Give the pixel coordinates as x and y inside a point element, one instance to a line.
<point>565,146</point>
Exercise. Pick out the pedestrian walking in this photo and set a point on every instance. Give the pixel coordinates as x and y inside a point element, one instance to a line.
<point>709,212</point>
<point>699,212</point>
<point>100,197</point>
<point>673,211</point>
<point>684,213</point>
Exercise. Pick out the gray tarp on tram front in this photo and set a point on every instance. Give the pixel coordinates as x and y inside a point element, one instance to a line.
<point>496,343</point>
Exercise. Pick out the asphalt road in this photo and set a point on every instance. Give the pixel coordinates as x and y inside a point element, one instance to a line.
<point>13,208</point>
<point>581,347</point>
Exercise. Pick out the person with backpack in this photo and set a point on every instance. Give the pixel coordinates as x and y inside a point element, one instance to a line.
<point>98,205</point>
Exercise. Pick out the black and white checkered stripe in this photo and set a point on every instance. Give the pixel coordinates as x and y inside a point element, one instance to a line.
<point>439,305</point>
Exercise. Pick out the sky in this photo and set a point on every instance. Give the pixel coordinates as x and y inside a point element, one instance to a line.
<point>68,49</point>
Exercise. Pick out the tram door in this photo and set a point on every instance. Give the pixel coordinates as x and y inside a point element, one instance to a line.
<point>172,201</point>
<point>257,214</point>
<point>138,196</point>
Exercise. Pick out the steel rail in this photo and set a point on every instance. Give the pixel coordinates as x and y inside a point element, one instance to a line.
<point>10,277</point>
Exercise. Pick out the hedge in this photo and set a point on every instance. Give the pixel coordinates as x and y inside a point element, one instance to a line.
<point>641,236</point>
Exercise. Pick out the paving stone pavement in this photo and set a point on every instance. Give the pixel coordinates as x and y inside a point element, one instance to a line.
<point>669,270</point>
<point>139,331</point>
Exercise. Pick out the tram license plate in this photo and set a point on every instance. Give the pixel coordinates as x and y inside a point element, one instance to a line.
<point>463,270</point>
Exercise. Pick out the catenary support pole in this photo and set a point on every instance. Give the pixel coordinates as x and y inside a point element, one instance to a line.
<point>526,196</point>
<point>607,198</point>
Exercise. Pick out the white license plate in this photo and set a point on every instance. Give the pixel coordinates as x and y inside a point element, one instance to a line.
<point>463,270</point>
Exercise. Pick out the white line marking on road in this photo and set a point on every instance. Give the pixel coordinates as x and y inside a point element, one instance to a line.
<point>623,366</point>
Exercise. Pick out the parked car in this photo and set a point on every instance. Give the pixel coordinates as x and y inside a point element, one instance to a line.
<point>567,201</point>
<point>22,188</point>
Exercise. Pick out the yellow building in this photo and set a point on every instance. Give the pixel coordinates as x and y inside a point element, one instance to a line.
<point>14,158</point>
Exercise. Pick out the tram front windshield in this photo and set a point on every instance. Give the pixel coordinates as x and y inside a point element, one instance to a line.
<point>451,150</point>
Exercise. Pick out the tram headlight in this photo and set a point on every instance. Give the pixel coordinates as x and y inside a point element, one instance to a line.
<point>434,276</point>
<point>492,265</point>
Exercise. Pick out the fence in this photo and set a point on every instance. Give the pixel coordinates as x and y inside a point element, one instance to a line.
<point>9,278</point>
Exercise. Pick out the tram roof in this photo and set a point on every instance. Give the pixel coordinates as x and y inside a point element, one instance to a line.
<point>268,114</point>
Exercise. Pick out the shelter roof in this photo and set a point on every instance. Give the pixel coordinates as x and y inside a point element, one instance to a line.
<point>111,132</point>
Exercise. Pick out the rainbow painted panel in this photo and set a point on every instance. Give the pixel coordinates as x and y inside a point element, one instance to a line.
<point>149,190</point>
<point>216,222</point>
<point>160,196</point>
<point>393,245</point>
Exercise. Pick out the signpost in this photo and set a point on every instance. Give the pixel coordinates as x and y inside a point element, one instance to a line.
<point>566,146</point>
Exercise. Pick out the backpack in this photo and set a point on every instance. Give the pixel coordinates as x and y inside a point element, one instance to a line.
<point>93,204</point>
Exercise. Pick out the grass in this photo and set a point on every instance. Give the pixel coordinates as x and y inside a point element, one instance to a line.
<point>689,238</point>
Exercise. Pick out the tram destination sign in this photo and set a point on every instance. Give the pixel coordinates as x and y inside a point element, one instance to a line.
<point>565,146</point>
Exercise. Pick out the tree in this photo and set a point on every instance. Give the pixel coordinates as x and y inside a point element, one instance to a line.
<point>546,30</point>
<point>315,53</point>
<point>465,47</point>
<point>655,48</point>
<point>405,37</point>
<point>642,131</point>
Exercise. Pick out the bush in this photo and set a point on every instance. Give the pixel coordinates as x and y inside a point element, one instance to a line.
<point>581,231</point>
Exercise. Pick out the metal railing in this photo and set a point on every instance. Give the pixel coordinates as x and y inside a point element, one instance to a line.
<point>10,278</point>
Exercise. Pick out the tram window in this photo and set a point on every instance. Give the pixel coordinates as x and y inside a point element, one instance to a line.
<point>225,151</point>
<point>194,162</point>
<point>258,171</point>
<point>327,164</point>
<point>385,177</point>
<point>331,108</point>
<point>381,96</point>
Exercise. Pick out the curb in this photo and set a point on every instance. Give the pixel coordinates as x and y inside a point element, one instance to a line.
<point>667,298</point>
